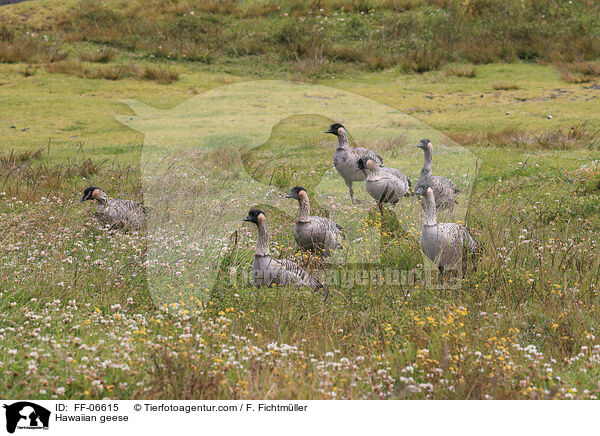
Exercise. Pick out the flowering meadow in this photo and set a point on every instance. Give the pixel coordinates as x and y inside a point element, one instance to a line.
<point>78,319</point>
<point>89,312</point>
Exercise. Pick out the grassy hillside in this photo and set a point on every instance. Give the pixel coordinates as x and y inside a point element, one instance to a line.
<point>514,82</point>
<point>311,38</point>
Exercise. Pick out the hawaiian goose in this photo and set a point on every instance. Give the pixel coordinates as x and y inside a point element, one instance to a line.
<point>117,213</point>
<point>446,244</point>
<point>385,185</point>
<point>268,271</point>
<point>346,158</point>
<point>314,233</point>
<point>444,189</point>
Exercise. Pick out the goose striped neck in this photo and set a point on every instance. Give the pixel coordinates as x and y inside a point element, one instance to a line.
<point>428,160</point>
<point>262,246</point>
<point>304,209</point>
<point>429,220</point>
<point>343,142</point>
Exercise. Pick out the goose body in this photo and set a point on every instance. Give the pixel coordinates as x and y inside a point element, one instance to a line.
<point>445,244</point>
<point>267,271</point>
<point>346,158</point>
<point>314,233</point>
<point>117,213</point>
<point>385,185</point>
<point>444,189</point>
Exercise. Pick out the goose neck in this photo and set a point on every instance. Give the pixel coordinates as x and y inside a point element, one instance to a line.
<point>304,207</point>
<point>262,246</point>
<point>100,197</point>
<point>429,219</point>
<point>343,142</point>
<point>428,159</point>
<point>101,205</point>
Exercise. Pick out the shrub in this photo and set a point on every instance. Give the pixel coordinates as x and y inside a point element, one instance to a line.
<point>505,86</point>
<point>579,72</point>
<point>30,50</point>
<point>461,71</point>
<point>421,60</point>
<point>159,74</point>
<point>104,55</point>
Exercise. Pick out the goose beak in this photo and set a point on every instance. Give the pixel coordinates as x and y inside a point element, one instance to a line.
<point>330,131</point>
<point>288,196</point>
<point>247,219</point>
<point>83,199</point>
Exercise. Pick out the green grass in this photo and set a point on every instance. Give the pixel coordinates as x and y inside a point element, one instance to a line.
<point>450,104</point>
<point>78,304</point>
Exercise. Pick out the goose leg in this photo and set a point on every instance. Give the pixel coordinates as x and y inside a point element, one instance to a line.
<point>349,184</point>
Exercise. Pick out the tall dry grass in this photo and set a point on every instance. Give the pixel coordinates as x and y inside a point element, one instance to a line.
<point>25,175</point>
<point>579,136</point>
<point>18,47</point>
<point>158,74</point>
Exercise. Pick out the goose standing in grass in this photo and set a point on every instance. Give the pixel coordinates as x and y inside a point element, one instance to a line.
<point>385,185</point>
<point>314,233</point>
<point>446,244</point>
<point>444,189</point>
<point>117,213</point>
<point>346,158</point>
<point>268,271</point>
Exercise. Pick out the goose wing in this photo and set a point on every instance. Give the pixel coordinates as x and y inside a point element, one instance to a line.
<point>124,206</point>
<point>397,180</point>
<point>444,191</point>
<point>457,236</point>
<point>292,273</point>
<point>397,173</point>
<point>452,185</point>
<point>444,184</point>
<point>468,240</point>
<point>365,152</point>
<point>326,226</point>
<point>126,212</point>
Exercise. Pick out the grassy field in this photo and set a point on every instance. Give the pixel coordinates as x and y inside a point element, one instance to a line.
<point>79,313</point>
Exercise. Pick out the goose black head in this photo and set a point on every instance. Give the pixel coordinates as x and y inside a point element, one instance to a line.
<point>334,129</point>
<point>253,215</point>
<point>295,192</point>
<point>363,163</point>
<point>88,194</point>
<point>424,144</point>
